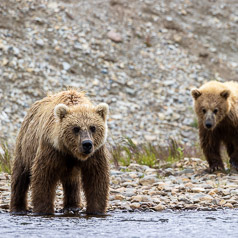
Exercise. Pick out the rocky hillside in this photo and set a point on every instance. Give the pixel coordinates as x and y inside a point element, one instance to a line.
<point>141,57</point>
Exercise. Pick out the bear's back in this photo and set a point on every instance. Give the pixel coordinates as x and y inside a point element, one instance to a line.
<point>233,86</point>
<point>70,98</point>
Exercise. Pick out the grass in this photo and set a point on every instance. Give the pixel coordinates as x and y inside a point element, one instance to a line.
<point>194,123</point>
<point>151,155</point>
<point>5,158</point>
<point>128,152</point>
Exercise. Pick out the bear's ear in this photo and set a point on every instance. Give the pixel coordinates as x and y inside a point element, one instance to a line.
<point>225,93</point>
<point>102,109</point>
<point>60,111</point>
<point>196,93</point>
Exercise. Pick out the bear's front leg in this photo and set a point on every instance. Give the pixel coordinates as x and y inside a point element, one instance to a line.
<point>211,150</point>
<point>95,178</point>
<point>71,187</point>
<point>45,174</point>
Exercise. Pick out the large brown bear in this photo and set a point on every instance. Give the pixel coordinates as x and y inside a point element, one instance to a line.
<point>62,137</point>
<point>216,106</point>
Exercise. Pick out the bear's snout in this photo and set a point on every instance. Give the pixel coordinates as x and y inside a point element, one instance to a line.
<point>87,146</point>
<point>208,124</point>
<point>210,120</point>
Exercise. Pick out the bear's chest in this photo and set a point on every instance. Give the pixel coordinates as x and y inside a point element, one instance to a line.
<point>71,164</point>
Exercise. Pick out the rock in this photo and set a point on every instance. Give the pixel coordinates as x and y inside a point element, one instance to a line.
<point>114,36</point>
<point>148,180</point>
<point>66,66</point>
<point>150,137</point>
<point>187,171</point>
<point>129,194</point>
<point>177,38</point>
<point>40,43</point>
<point>146,198</point>
<point>206,198</point>
<point>159,207</point>
<point>125,205</point>
<point>222,202</point>
<point>135,167</point>
<point>198,190</point>
<point>135,205</point>
<point>137,198</point>
<point>119,197</point>
<point>234,192</point>
<point>168,172</point>
<point>114,191</point>
<point>2,176</point>
<point>5,188</point>
<point>4,206</point>
<point>229,205</point>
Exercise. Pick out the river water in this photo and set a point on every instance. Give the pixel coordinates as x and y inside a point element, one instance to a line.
<point>167,224</point>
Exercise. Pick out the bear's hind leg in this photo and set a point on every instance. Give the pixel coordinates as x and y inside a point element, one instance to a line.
<point>233,154</point>
<point>71,187</point>
<point>95,178</point>
<point>19,186</point>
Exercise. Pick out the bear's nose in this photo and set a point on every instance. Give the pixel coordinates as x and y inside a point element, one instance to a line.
<point>87,146</point>
<point>208,125</point>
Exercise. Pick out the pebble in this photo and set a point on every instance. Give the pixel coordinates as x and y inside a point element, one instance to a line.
<point>159,207</point>
<point>198,190</point>
<point>66,66</point>
<point>40,42</point>
<point>114,36</point>
<point>148,180</point>
<point>157,193</point>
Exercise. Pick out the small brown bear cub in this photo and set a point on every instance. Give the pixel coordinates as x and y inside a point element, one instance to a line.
<point>62,139</point>
<point>216,106</point>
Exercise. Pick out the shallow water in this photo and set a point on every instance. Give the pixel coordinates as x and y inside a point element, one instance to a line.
<point>222,223</point>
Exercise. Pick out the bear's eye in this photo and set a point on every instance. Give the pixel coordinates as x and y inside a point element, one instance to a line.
<point>204,110</point>
<point>215,111</point>
<point>92,128</point>
<point>76,129</point>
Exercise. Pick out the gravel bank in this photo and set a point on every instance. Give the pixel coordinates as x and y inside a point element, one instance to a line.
<point>140,57</point>
<point>185,185</point>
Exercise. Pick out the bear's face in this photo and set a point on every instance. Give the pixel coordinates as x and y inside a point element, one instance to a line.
<point>81,129</point>
<point>211,107</point>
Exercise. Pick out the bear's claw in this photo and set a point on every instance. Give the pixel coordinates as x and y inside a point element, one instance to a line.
<point>215,168</point>
<point>71,210</point>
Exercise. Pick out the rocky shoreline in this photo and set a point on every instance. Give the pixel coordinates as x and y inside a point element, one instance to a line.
<point>140,57</point>
<point>183,185</point>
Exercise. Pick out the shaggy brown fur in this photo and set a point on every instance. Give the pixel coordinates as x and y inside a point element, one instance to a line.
<point>62,139</point>
<point>216,106</point>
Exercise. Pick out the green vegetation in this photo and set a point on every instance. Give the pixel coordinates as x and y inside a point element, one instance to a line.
<point>5,158</point>
<point>151,155</point>
<point>128,152</point>
<point>194,123</point>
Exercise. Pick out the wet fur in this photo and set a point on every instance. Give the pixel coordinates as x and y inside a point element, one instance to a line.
<point>42,161</point>
<point>226,127</point>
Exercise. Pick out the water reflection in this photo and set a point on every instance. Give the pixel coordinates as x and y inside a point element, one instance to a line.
<point>167,224</point>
